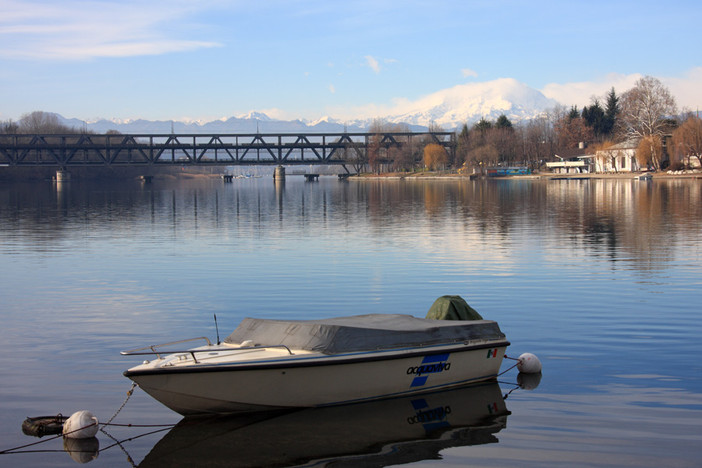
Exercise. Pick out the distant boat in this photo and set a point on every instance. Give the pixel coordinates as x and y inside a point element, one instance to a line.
<point>507,171</point>
<point>643,177</point>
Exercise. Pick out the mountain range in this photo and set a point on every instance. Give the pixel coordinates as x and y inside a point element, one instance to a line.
<point>448,108</point>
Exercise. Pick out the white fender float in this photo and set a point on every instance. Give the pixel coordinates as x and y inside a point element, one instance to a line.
<point>529,364</point>
<point>82,450</point>
<point>81,425</point>
<point>528,381</point>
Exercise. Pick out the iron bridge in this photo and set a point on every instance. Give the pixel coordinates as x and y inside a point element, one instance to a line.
<point>70,150</point>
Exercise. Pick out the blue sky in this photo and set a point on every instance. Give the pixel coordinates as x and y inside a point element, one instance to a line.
<point>176,59</point>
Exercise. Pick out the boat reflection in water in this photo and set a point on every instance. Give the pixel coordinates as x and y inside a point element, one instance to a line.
<point>378,433</point>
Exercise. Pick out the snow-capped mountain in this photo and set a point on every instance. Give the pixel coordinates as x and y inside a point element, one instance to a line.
<point>468,103</point>
<point>449,108</point>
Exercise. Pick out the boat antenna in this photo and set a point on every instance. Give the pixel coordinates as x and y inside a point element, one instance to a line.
<point>217,328</point>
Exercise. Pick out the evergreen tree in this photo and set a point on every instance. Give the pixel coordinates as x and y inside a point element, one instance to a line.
<point>483,125</point>
<point>611,112</point>
<point>574,113</point>
<point>586,114</point>
<point>464,145</point>
<point>503,122</point>
<point>594,117</point>
<point>464,135</point>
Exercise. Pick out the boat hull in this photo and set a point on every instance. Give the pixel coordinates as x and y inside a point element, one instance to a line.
<point>319,380</point>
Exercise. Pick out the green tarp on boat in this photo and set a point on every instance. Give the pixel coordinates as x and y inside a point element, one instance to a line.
<point>452,308</point>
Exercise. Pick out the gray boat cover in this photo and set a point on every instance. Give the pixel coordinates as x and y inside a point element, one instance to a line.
<point>361,332</point>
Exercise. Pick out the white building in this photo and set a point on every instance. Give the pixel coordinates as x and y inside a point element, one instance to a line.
<point>618,158</point>
<point>572,161</point>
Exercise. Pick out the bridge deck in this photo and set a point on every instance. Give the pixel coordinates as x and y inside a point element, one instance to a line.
<point>221,149</point>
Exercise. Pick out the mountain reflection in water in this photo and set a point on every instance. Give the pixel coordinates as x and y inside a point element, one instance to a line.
<point>379,433</point>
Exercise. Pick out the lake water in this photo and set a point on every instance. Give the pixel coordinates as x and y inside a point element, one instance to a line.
<point>602,279</point>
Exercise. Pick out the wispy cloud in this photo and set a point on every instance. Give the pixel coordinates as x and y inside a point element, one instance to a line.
<point>467,72</point>
<point>372,62</point>
<point>332,89</point>
<point>686,89</point>
<point>580,93</point>
<point>77,30</point>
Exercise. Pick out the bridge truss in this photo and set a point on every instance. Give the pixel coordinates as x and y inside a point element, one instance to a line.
<point>64,151</point>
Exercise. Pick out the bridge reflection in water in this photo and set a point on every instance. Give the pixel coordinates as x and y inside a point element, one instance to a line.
<point>75,150</point>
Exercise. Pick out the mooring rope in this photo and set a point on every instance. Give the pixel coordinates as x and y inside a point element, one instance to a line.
<point>14,449</point>
<point>129,394</point>
<point>117,442</point>
<point>108,423</point>
<point>507,370</point>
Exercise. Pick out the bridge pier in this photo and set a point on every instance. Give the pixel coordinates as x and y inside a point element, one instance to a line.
<point>63,176</point>
<point>279,173</point>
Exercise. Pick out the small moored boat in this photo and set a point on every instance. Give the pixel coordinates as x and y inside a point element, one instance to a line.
<point>273,364</point>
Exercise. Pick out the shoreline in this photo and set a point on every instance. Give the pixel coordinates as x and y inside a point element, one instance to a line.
<point>537,176</point>
<point>172,175</point>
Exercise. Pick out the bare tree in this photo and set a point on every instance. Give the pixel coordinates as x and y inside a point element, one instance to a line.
<point>354,154</point>
<point>375,150</point>
<point>504,141</point>
<point>644,110</point>
<point>609,156</point>
<point>687,140</point>
<point>42,122</point>
<point>648,147</point>
<point>483,156</point>
<point>572,131</point>
<point>9,127</point>
<point>402,154</point>
<point>538,140</point>
<point>435,156</point>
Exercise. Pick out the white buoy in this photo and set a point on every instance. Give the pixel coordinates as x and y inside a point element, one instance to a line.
<point>528,381</point>
<point>529,364</point>
<point>81,425</point>
<point>82,450</point>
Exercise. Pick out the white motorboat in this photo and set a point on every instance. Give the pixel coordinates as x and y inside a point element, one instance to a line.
<point>274,364</point>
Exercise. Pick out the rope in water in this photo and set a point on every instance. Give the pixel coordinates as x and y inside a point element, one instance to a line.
<point>14,449</point>
<point>43,440</point>
<point>108,423</point>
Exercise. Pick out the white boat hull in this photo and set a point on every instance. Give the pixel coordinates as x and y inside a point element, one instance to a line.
<point>317,380</point>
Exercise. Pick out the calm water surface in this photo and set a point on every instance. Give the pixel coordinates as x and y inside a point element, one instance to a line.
<point>601,279</point>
